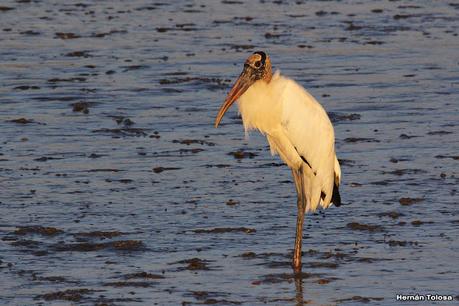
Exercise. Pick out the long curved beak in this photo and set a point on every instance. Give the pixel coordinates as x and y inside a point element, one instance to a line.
<point>240,86</point>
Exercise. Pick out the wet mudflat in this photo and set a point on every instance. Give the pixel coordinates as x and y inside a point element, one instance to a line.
<point>117,190</point>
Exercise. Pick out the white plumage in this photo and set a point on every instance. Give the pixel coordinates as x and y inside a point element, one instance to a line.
<point>296,126</point>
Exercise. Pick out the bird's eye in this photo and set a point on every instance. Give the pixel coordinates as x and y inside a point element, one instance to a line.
<point>258,64</point>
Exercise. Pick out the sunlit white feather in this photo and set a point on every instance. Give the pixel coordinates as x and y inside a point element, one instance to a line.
<point>296,126</point>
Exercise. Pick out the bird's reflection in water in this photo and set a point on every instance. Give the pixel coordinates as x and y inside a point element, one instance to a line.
<point>299,299</point>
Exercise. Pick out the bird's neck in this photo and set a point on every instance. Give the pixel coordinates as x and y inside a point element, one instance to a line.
<point>268,75</point>
<point>260,105</point>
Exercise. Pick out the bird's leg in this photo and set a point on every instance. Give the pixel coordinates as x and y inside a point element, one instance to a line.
<point>298,240</point>
<point>298,176</point>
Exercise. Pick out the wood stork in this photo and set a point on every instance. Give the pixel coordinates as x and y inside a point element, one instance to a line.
<point>296,127</point>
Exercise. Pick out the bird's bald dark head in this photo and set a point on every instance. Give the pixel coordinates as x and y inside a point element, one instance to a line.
<point>260,63</point>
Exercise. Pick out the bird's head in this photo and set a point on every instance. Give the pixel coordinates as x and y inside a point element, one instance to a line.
<point>257,67</point>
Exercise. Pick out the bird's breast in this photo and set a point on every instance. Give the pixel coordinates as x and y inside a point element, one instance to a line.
<point>261,106</point>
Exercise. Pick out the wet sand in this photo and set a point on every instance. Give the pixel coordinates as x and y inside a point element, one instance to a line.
<point>117,190</point>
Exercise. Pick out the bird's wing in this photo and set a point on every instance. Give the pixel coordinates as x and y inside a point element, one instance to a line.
<point>337,172</point>
<point>309,130</point>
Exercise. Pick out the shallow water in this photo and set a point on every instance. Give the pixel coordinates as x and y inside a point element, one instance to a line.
<point>116,189</point>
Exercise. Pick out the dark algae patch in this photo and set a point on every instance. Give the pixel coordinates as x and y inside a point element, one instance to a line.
<point>455,157</point>
<point>67,35</point>
<point>6,8</point>
<point>104,170</point>
<point>46,158</point>
<point>122,132</point>
<point>248,255</point>
<point>127,245</point>
<point>357,139</point>
<point>405,136</point>
<point>360,299</point>
<point>193,151</point>
<point>26,243</point>
<point>82,107</point>
<point>232,202</point>
<point>99,234</point>
<point>23,121</point>
<point>40,230</point>
<point>364,227</point>
<point>439,133</point>
<point>122,245</point>
<point>26,87</point>
<point>318,264</point>
<point>400,172</point>
<point>419,222</point>
<point>409,201</point>
<point>240,154</point>
<point>222,230</point>
<point>67,80</point>
<point>210,83</point>
<point>73,295</point>
<point>193,141</point>
<point>162,169</point>
<point>287,277</point>
<point>336,117</point>
<point>78,54</point>
<point>211,298</point>
<point>401,243</point>
<point>143,275</point>
<point>391,214</point>
<point>54,279</point>
<point>194,264</point>
<point>123,121</point>
<point>129,284</point>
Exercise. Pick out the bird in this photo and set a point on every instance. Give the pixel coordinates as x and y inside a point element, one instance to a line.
<point>297,128</point>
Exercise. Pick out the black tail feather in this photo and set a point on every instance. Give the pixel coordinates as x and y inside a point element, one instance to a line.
<point>336,197</point>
